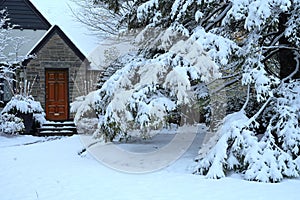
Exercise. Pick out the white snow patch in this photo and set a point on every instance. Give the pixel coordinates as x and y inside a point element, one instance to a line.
<point>53,170</point>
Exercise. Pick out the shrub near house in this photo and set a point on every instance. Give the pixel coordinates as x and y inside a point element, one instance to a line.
<point>22,114</point>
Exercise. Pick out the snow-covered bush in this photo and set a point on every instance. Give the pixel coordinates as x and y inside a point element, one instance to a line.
<point>10,124</point>
<point>269,156</point>
<point>85,115</point>
<point>19,105</point>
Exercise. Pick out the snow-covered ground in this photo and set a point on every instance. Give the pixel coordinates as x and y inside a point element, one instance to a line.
<point>50,168</point>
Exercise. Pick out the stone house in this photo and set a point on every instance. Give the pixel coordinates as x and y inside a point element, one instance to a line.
<point>56,62</point>
<point>55,66</point>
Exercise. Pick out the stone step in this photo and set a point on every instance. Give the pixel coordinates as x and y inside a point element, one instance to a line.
<point>66,128</point>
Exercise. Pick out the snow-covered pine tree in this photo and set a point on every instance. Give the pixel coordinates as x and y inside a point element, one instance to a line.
<point>252,42</point>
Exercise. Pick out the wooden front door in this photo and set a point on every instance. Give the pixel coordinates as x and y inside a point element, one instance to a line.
<point>57,94</point>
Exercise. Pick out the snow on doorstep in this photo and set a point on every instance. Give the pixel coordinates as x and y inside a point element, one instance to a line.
<point>48,127</point>
<point>65,122</point>
<point>53,170</point>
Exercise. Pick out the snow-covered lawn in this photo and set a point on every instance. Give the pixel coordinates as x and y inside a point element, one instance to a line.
<point>50,168</point>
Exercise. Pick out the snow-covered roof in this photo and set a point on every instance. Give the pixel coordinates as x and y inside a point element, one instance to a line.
<point>56,29</point>
<point>58,12</point>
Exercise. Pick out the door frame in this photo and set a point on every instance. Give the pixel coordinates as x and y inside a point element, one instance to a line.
<point>68,94</point>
